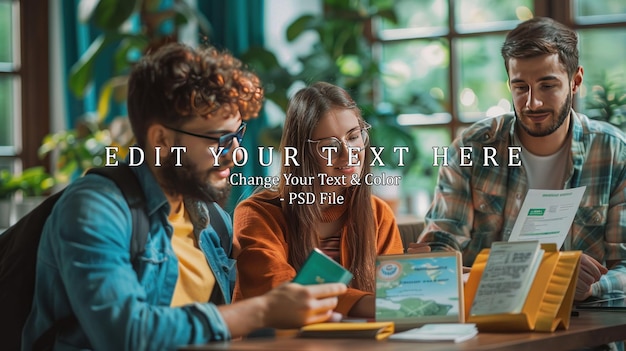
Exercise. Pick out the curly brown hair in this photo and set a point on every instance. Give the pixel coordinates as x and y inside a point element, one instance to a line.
<point>177,83</point>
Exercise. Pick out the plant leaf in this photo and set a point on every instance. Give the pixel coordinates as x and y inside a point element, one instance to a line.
<point>104,101</point>
<point>300,25</point>
<point>129,50</point>
<point>86,9</point>
<point>111,14</point>
<point>260,59</point>
<point>80,74</point>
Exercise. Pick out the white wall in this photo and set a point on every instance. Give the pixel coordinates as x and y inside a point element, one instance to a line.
<point>278,15</point>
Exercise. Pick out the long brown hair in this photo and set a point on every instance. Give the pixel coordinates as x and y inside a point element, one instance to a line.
<point>305,110</point>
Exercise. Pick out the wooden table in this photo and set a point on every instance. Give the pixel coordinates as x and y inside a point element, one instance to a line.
<point>590,328</point>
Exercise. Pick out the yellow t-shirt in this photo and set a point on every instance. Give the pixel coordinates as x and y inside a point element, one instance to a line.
<point>195,278</point>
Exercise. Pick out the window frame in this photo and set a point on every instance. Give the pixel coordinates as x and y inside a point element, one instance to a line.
<point>34,23</point>
<point>32,96</point>
<point>559,10</point>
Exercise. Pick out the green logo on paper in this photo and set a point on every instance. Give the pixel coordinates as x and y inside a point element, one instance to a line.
<point>536,211</point>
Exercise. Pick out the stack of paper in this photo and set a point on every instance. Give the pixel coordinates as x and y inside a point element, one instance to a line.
<point>456,332</point>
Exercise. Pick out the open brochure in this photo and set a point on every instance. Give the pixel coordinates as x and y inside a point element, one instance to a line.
<point>507,277</point>
<point>455,332</point>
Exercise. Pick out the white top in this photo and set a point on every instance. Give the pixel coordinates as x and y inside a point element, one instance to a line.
<point>545,172</point>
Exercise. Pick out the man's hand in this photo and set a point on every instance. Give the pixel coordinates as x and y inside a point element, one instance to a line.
<point>418,248</point>
<point>590,272</point>
<point>293,305</point>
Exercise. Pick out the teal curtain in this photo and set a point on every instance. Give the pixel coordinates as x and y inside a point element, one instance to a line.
<point>77,37</point>
<point>238,26</point>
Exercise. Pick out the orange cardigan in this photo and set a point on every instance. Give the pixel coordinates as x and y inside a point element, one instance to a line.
<point>262,263</point>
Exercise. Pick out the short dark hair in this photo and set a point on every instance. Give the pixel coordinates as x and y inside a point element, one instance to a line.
<point>177,83</point>
<point>540,36</point>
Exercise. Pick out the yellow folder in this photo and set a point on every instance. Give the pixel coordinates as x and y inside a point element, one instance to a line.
<point>549,302</point>
<point>360,330</point>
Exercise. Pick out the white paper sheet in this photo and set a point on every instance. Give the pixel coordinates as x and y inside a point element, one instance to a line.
<point>547,215</point>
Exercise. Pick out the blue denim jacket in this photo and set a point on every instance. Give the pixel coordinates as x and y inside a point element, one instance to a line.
<point>84,268</point>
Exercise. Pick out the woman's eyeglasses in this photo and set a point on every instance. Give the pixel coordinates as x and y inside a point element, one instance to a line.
<point>333,147</point>
<point>224,141</point>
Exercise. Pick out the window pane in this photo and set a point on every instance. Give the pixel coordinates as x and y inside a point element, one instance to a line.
<point>6,111</point>
<point>6,31</point>
<point>491,14</point>
<point>599,8</point>
<point>415,75</point>
<point>605,72</point>
<point>419,14</point>
<point>7,165</point>
<point>483,88</point>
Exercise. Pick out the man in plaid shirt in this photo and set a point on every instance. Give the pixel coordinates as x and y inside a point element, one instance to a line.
<point>476,205</point>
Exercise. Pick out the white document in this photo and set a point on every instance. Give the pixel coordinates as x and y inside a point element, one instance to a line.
<point>456,332</point>
<point>547,215</point>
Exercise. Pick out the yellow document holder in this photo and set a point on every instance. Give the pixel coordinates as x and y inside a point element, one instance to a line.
<point>549,302</point>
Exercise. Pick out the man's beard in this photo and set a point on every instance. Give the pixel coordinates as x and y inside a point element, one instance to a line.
<point>189,182</point>
<point>563,113</point>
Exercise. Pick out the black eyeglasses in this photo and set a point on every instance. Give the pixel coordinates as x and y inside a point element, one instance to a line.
<point>225,141</point>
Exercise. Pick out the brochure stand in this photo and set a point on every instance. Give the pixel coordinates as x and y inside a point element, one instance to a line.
<point>548,304</point>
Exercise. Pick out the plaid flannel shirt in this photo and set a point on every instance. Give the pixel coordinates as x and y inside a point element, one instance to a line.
<point>474,206</point>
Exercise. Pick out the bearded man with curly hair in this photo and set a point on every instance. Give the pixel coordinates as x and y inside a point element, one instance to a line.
<point>188,109</point>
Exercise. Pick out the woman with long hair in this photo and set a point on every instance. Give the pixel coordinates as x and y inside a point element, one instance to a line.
<point>320,202</point>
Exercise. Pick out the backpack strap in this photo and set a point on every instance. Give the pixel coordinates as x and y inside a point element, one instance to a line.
<point>217,222</point>
<point>128,183</point>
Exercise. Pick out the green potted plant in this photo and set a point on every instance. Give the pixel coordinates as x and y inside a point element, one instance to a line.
<point>128,28</point>
<point>157,22</point>
<point>8,184</point>
<point>343,56</point>
<point>76,149</point>
<point>31,186</point>
<point>34,184</point>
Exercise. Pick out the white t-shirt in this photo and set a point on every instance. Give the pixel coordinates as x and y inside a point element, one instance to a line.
<point>545,172</point>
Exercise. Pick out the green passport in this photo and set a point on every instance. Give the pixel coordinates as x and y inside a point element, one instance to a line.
<point>319,268</point>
